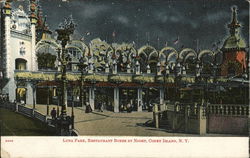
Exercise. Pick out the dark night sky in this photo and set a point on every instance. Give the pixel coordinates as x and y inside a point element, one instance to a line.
<point>142,20</point>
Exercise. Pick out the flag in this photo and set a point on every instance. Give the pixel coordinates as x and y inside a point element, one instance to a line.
<point>176,41</point>
<point>166,43</point>
<point>113,34</point>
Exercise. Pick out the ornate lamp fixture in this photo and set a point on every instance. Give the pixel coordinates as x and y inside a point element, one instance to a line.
<point>64,32</point>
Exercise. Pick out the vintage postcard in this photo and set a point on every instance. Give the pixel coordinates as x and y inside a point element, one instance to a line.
<point>124,78</point>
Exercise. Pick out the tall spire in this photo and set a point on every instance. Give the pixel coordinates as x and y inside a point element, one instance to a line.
<point>234,23</point>
<point>33,9</point>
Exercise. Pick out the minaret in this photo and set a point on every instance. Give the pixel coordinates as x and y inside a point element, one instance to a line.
<point>42,29</point>
<point>33,21</point>
<point>6,12</point>
<point>234,54</point>
<point>234,25</point>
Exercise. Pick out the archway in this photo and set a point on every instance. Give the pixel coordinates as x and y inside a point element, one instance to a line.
<point>20,64</point>
<point>231,69</point>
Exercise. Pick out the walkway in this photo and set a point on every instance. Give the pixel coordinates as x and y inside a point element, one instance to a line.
<point>115,124</point>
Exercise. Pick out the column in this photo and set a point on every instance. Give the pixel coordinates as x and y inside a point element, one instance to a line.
<point>116,99</point>
<point>29,94</point>
<point>128,68</point>
<point>161,96</point>
<point>106,68</point>
<point>202,120</point>
<point>33,47</point>
<point>158,69</point>
<point>34,96</point>
<point>156,115</point>
<point>137,68</point>
<point>66,98</point>
<point>7,56</point>
<point>92,98</point>
<point>10,89</point>
<point>114,67</point>
<point>139,99</point>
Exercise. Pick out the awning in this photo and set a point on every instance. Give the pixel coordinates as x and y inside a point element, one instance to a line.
<point>151,85</point>
<point>129,84</point>
<point>105,84</point>
<point>186,89</point>
<point>48,84</point>
<point>78,83</point>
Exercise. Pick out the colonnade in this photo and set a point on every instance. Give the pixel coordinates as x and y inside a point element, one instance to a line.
<point>140,100</point>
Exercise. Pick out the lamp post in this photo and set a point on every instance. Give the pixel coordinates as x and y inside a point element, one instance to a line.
<point>72,109</point>
<point>177,71</point>
<point>64,32</point>
<point>164,83</point>
<point>167,72</point>
<point>48,97</point>
<point>1,79</point>
<point>82,66</point>
<point>198,77</point>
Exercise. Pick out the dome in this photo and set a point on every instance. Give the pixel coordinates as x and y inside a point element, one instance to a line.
<point>234,42</point>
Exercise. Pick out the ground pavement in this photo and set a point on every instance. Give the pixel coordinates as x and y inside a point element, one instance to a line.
<point>108,123</point>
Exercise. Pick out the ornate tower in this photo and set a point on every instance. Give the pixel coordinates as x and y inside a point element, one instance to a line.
<point>6,57</point>
<point>18,41</point>
<point>42,29</point>
<point>234,54</point>
<point>33,21</point>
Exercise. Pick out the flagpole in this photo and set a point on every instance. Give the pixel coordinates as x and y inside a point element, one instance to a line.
<point>149,38</point>
<point>158,42</point>
<point>197,45</point>
<point>137,40</point>
<point>114,34</point>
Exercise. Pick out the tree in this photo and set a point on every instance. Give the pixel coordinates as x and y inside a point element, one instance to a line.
<point>46,61</point>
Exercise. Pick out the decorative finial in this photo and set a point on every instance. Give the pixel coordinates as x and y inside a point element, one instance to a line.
<point>33,8</point>
<point>20,7</point>
<point>7,7</point>
<point>234,23</point>
<point>234,20</point>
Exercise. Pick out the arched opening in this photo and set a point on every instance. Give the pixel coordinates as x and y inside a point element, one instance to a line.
<point>20,64</point>
<point>231,70</point>
<point>21,95</point>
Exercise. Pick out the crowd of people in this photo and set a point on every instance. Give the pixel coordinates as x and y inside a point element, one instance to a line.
<point>130,107</point>
<point>4,97</point>
<point>102,105</point>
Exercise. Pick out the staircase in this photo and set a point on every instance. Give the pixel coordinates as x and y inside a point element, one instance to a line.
<point>164,122</point>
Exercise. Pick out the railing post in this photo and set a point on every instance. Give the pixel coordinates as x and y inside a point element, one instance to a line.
<point>186,115</point>
<point>231,110</point>
<point>156,116</point>
<point>202,120</point>
<point>226,110</point>
<point>244,110</point>
<point>16,107</point>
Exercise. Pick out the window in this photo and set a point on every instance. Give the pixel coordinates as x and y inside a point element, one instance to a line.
<point>22,48</point>
<point>20,64</point>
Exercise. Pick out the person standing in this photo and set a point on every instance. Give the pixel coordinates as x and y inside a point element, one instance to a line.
<point>53,113</point>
